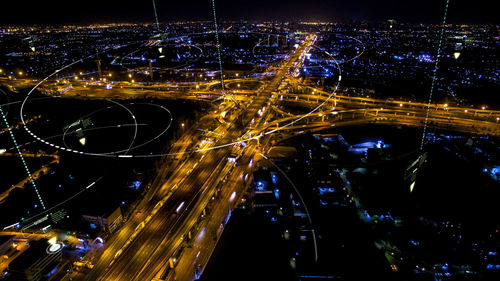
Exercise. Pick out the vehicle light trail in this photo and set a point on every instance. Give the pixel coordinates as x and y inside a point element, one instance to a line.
<point>180,207</point>
<point>166,154</point>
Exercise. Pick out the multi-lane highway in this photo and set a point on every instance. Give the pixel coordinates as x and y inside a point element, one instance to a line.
<point>149,242</point>
<point>193,192</point>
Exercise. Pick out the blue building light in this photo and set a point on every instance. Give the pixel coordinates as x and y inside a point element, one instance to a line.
<point>326,190</point>
<point>414,243</point>
<point>424,58</point>
<point>52,271</point>
<point>445,267</point>
<point>135,184</point>
<point>380,144</point>
<point>493,267</point>
<point>274,178</point>
<point>277,193</point>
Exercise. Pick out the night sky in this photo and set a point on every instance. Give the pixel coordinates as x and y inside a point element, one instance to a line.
<point>105,11</point>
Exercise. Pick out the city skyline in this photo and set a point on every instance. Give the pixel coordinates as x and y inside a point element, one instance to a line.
<point>93,11</point>
<point>162,141</point>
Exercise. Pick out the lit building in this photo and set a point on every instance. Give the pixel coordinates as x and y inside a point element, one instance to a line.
<point>105,222</point>
<point>6,243</point>
<point>39,262</point>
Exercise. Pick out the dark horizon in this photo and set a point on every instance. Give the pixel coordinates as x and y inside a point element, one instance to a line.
<point>427,11</point>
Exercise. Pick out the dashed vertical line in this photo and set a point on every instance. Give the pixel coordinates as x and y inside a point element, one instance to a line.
<point>22,158</point>
<point>434,76</point>
<point>218,45</point>
<point>156,16</point>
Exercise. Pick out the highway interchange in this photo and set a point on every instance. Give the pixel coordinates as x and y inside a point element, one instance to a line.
<point>175,227</point>
<point>148,245</point>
